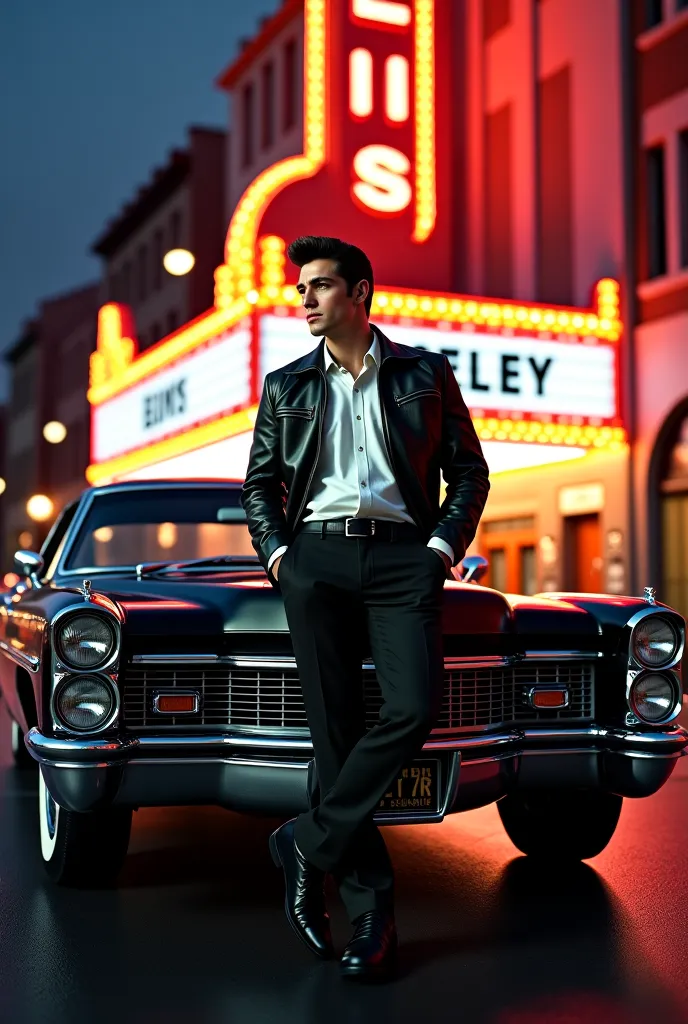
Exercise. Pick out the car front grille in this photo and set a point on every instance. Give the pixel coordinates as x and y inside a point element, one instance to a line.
<point>268,697</point>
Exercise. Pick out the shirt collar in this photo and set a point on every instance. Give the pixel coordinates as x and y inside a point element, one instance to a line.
<point>372,353</point>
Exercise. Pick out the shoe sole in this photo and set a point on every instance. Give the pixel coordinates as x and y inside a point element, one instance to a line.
<point>274,853</point>
<point>383,972</point>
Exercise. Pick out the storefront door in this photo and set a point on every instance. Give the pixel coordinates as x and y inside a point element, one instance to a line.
<point>510,546</point>
<point>583,553</point>
<point>674,500</point>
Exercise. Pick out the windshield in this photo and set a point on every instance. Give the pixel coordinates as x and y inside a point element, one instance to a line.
<point>127,527</point>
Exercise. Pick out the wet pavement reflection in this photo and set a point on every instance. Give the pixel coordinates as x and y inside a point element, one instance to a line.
<point>194,933</point>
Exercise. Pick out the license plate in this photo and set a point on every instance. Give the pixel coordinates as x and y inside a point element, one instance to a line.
<point>417,789</point>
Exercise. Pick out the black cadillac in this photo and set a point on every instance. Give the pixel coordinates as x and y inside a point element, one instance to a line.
<point>145,660</point>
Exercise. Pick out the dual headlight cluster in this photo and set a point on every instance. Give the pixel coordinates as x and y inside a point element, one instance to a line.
<point>655,695</point>
<point>88,701</point>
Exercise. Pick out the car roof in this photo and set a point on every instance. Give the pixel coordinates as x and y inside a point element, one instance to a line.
<point>186,484</point>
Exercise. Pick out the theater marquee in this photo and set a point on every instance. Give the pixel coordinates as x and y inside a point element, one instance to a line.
<point>542,380</point>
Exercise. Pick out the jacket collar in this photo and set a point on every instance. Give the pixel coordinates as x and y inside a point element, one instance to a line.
<point>315,360</point>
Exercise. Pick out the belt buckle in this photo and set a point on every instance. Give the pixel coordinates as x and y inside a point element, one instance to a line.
<point>353,519</point>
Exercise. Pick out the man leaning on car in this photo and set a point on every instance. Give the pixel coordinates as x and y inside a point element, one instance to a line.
<point>355,435</point>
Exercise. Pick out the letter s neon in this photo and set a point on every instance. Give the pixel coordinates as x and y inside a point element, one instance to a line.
<point>382,185</point>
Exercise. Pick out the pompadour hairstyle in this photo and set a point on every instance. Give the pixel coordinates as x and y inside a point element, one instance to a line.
<point>351,262</point>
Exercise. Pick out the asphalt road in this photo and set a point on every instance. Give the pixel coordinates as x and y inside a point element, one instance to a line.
<point>194,933</point>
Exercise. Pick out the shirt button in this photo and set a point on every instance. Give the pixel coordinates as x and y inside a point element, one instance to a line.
<point>356,390</point>
<point>363,483</point>
<point>360,449</point>
<point>358,417</point>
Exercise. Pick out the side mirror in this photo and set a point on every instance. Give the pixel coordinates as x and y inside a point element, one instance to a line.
<point>473,568</point>
<point>29,564</point>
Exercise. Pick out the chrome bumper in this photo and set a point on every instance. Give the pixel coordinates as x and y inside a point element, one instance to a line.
<point>270,775</point>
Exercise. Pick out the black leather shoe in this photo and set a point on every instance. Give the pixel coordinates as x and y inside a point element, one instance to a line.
<point>304,900</point>
<point>372,952</point>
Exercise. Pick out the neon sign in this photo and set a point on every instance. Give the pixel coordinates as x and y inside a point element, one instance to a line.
<point>370,170</point>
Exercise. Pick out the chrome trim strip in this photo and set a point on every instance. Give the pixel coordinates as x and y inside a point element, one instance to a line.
<point>286,662</point>
<point>489,661</point>
<point>175,659</point>
<point>565,655</point>
<point>242,761</point>
<point>27,661</point>
<point>51,748</point>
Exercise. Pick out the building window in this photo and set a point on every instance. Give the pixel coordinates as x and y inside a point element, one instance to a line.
<point>172,321</point>
<point>656,212</point>
<point>141,272</point>
<point>125,283</point>
<point>555,186</point>
<point>247,117</point>
<point>157,260</point>
<point>175,230</point>
<point>653,13</point>
<point>289,86</point>
<point>268,105</point>
<point>683,191</point>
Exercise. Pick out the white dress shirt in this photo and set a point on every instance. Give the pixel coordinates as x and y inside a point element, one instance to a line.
<point>353,476</point>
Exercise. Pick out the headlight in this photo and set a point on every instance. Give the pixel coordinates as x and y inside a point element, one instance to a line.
<point>655,641</point>
<point>653,696</point>
<point>85,641</point>
<point>86,703</point>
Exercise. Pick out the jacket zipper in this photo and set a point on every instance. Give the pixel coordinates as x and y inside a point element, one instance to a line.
<point>317,453</point>
<point>401,399</point>
<point>306,414</point>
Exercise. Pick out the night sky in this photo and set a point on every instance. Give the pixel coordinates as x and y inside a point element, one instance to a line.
<point>94,95</point>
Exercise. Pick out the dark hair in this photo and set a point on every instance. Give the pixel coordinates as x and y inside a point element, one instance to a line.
<point>352,263</point>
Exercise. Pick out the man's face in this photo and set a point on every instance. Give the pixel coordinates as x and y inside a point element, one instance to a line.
<point>329,309</point>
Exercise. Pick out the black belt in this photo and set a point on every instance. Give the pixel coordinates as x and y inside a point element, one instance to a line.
<point>380,529</point>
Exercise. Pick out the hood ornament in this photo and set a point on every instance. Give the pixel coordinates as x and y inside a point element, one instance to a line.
<point>86,590</point>
<point>649,595</point>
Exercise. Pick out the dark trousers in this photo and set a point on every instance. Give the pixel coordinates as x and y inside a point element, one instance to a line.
<point>338,591</point>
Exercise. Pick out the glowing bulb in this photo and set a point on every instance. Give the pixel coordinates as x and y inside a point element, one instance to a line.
<point>39,507</point>
<point>54,432</point>
<point>167,535</point>
<point>178,262</point>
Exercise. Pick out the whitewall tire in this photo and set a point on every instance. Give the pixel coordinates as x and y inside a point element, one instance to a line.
<point>82,850</point>
<point>48,817</point>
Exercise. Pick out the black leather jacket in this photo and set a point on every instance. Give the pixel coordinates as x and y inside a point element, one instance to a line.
<point>427,429</point>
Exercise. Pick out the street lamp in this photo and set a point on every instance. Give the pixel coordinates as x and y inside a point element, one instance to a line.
<point>178,262</point>
<point>3,485</point>
<point>54,432</point>
<point>39,507</point>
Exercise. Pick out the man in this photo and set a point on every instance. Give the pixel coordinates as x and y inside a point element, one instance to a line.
<point>342,500</point>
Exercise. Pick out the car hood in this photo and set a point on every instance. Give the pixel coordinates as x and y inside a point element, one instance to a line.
<point>246,602</point>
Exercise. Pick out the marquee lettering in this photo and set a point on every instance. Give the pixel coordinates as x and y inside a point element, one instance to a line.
<point>384,12</point>
<point>381,172</point>
<point>382,183</point>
